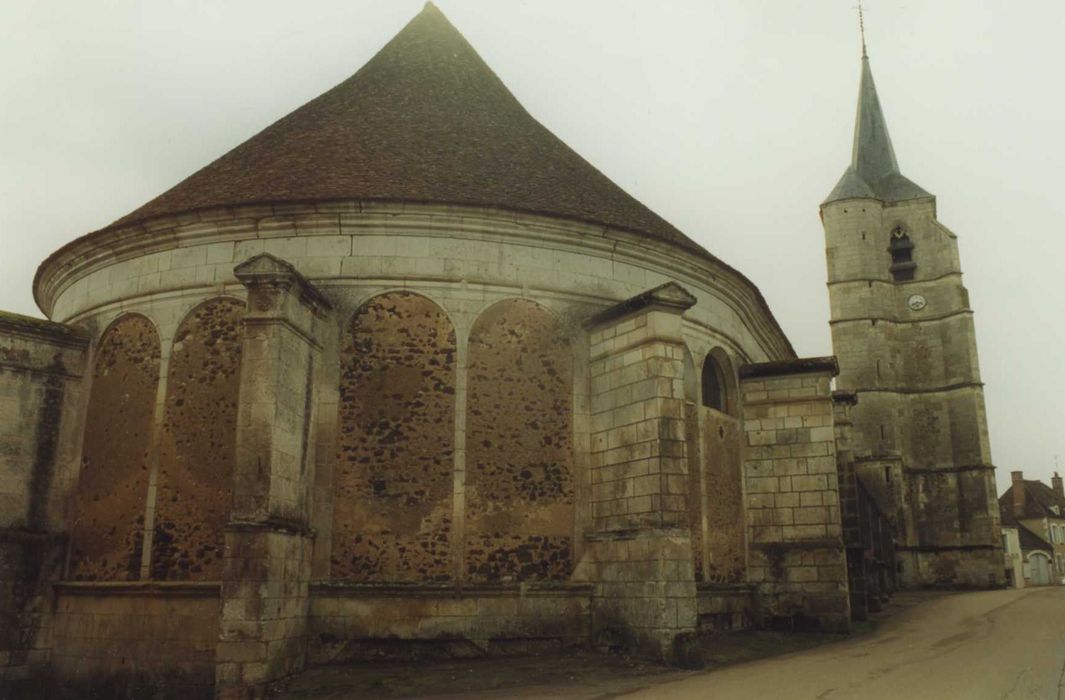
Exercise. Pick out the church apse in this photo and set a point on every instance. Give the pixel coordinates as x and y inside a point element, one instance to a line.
<point>519,480</point>
<point>392,517</point>
<point>108,524</point>
<point>195,483</point>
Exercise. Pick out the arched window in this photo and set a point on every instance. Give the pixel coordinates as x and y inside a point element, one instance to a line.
<point>715,393</point>
<point>901,249</point>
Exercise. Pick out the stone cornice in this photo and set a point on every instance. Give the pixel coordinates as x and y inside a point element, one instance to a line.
<point>95,251</point>
<point>40,329</point>
<point>803,365</point>
<point>160,589</point>
<point>270,271</point>
<point>669,297</point>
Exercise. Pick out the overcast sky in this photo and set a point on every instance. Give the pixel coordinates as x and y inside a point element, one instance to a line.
<point>730,118</point>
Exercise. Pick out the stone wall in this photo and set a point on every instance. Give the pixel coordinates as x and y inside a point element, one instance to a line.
<point>41,394</point>
<point>639,553</point>
<point>726,550</point>
<point>797,556</point>
<point>725,607</point>
<point>133,640</point>
<point>368,622</point>
<point>41,365</point>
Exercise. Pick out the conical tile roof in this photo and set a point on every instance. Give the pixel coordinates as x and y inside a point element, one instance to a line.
<point>874,171</point>
<point>424,120</point>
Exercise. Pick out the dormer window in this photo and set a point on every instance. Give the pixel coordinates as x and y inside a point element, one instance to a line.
<point>901,249</point>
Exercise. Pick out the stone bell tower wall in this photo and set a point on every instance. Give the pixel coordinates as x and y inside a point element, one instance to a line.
<point>917,375</point>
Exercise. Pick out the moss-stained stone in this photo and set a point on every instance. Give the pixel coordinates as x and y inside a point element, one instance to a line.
<point>394,481</point>
<point>519,466</point>
<point>107,532</point>
<point>723,476</point>
<point>195,485</point>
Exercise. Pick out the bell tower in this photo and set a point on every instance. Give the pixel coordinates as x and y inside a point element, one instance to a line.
<point>902,329</point>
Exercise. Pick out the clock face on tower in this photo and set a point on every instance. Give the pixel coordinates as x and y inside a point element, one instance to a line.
<point>916,302</point>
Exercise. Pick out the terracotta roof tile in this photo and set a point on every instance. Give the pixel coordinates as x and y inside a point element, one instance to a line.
<point>1039,502</point>
<point>424,120</point>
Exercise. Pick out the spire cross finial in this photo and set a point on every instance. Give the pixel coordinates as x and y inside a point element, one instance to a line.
<point>861,27</point>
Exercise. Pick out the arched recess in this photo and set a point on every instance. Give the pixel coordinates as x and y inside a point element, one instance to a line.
<point>194,494</point>
<point>715,385</point>
<point>693,448</point>
<point>722,435</point>
<point>519,461</point>
<point>108,529</point>
<point>393,502</point>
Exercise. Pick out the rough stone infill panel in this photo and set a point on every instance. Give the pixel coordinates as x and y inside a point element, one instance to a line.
<point>195,484</point>
<point>392,506</point>
<point>723,476</point>
<point>519,466</point>
<point>108,511</point>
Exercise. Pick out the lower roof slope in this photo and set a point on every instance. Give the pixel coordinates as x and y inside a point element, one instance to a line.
<point>424,120</point>
<point>1040,501</point>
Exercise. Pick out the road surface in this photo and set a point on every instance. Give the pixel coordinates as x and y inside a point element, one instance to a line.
<point>993,645</point>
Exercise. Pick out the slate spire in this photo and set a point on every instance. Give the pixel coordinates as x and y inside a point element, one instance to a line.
<point>874,171</point>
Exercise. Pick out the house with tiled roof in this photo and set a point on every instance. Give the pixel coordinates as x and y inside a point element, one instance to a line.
<point>1037,513</point>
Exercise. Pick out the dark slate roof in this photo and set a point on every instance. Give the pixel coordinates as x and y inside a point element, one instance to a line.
<point>424,120</point>
<point>874,171</point>
<point>1031,541</point>
<point>1038,503</point>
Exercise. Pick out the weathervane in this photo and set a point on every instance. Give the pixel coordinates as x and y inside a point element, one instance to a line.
<point>861,27</point>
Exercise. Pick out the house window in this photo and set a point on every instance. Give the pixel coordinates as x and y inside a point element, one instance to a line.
<point>901,249</point>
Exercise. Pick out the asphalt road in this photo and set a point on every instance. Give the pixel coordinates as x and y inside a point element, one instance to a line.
<point>978,646</point>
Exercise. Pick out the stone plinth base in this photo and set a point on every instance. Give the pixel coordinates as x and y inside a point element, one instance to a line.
<point>645,593</point>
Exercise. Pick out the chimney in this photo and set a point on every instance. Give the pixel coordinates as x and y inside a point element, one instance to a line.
<point>1018,494</point>
<point>1058,488</point>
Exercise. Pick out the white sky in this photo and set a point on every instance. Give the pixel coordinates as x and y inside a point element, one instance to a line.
<point>730,118</point>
